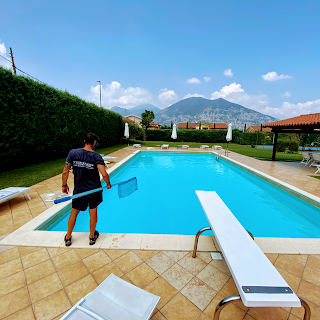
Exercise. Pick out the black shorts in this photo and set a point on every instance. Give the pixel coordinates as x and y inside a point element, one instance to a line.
<point>82,203</point>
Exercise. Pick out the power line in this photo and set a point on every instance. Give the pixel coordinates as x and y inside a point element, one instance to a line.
<point>23,71</point>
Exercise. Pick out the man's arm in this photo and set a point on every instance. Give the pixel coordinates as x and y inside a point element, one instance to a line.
<point>65,175</point>
<point>104,173</point>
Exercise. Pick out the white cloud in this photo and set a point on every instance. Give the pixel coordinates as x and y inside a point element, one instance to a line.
<point>3,52</point>
<point>194,80</point>
<point>225,91</point>
<point>207,79</point>
<point>167,96</point>
<point>114,95</point>
<point>234,93</point>
<point>289,110</point>
<point>228,73</point>
<point>189,95</point>
<point>287,94</point>
<point>273,76</point>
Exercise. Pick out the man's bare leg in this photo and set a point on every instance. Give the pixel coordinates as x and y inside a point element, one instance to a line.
<point>72,221</point>
<point>93,221</point>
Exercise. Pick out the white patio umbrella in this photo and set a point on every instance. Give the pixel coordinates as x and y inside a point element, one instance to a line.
<point>229,135</point>
<point>174,134</point>
<point>126,131</point>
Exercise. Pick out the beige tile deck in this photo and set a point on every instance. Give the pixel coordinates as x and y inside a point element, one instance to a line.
<point>44,282</point>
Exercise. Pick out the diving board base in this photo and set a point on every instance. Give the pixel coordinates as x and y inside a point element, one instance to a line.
<point>223,303</point>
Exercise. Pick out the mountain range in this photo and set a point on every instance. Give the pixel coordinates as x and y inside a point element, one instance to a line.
<point>197,109</point>
<point>137,110</point>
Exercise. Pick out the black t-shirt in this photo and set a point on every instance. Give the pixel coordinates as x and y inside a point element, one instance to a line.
<point>86,174</point>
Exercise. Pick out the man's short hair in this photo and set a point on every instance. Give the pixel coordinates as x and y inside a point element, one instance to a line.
<point>90,138</point>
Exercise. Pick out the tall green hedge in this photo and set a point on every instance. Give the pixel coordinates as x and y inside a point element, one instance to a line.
<point>38,122</point>
<point>188,135</point>
<point>252,138</point>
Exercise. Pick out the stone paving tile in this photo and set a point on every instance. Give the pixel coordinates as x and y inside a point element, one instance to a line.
<point>160,262</point>
<point>177,276</point>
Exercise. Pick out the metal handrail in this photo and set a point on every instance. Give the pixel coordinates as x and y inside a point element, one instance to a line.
<point>218,154</point>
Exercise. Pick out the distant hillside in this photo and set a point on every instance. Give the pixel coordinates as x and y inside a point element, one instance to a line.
<point>219,110</point>
<point>137,110</point>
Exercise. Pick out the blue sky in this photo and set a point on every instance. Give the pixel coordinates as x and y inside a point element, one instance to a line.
<point>263,55</point>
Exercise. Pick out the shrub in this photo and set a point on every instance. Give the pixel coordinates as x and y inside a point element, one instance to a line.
<point>38,122</point>
<point>294,146</point>
<point>282,145</point>
<point>188,135</point>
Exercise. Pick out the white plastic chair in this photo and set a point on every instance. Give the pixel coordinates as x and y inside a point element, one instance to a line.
<point>11,192</point>
<point>114,299</point>
<point>109,158</point>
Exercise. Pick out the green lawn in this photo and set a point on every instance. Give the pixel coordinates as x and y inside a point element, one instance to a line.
<point>261,154</point>
<point>35,173</point>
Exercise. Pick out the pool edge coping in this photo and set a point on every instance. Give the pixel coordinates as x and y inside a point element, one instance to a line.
<point>27,235</point>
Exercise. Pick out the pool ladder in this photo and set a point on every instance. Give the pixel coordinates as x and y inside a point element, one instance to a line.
<point>218,155</point>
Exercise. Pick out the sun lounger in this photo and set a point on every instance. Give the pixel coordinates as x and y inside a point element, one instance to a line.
<point>184,146</point>
<point>106,163</point>
<point>109,158</point>
<point>165,146</point>
<point>204,146</point>
<point>149,148</point>
<point>11,192</point>
<point>216,147</point>
<point>259,283</point>
<point>315,159</point>
<point>306,158</point>
<point>137,145</point>
<point>114,299</point>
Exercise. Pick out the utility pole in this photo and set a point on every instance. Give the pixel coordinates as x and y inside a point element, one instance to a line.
<point>100,91</point>
<point>13,66</point>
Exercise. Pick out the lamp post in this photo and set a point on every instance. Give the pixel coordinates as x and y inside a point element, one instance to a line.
<point>100,91</point>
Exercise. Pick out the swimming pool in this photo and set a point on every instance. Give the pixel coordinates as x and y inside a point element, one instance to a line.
<point>166,202</point>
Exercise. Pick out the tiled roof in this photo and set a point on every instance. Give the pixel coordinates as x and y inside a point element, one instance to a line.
<point>184,124</point>
<point>211,125</point>
<point>304,120</point>
<point>258,128</point>
<point>126,119</point>
<point>221,125</point>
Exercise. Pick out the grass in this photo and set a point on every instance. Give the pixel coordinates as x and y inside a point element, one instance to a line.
<point>261,154</point>
<point>36,173</point>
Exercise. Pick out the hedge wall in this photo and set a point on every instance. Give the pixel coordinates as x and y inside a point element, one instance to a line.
<point>188,135</point>
<point>38,122</point>
<point>252,138</point>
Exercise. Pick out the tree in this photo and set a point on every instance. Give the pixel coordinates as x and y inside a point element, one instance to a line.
<point>245,127</point>
<point>147,118</point>
<point>171,124</point>
<point>187,125</point>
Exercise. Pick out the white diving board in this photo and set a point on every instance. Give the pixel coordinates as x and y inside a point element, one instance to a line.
<point>259,283</point>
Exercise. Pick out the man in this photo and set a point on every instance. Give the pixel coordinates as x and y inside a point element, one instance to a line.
<point>86,167</point>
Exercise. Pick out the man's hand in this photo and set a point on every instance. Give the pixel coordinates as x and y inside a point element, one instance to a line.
<point>105,176</point>
<point>65,174</point>
<point>65,189</point>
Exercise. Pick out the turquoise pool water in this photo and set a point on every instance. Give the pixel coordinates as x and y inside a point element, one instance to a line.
<point>166,202</point>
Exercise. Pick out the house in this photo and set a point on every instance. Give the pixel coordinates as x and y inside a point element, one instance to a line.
<point>154,126</point>
<point>258,128</point>
<point>127,119</point>
<point>135,119</point>
<point>204,126</point>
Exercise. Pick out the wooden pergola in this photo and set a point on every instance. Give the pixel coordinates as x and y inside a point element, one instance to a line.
<point>308,123</point>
